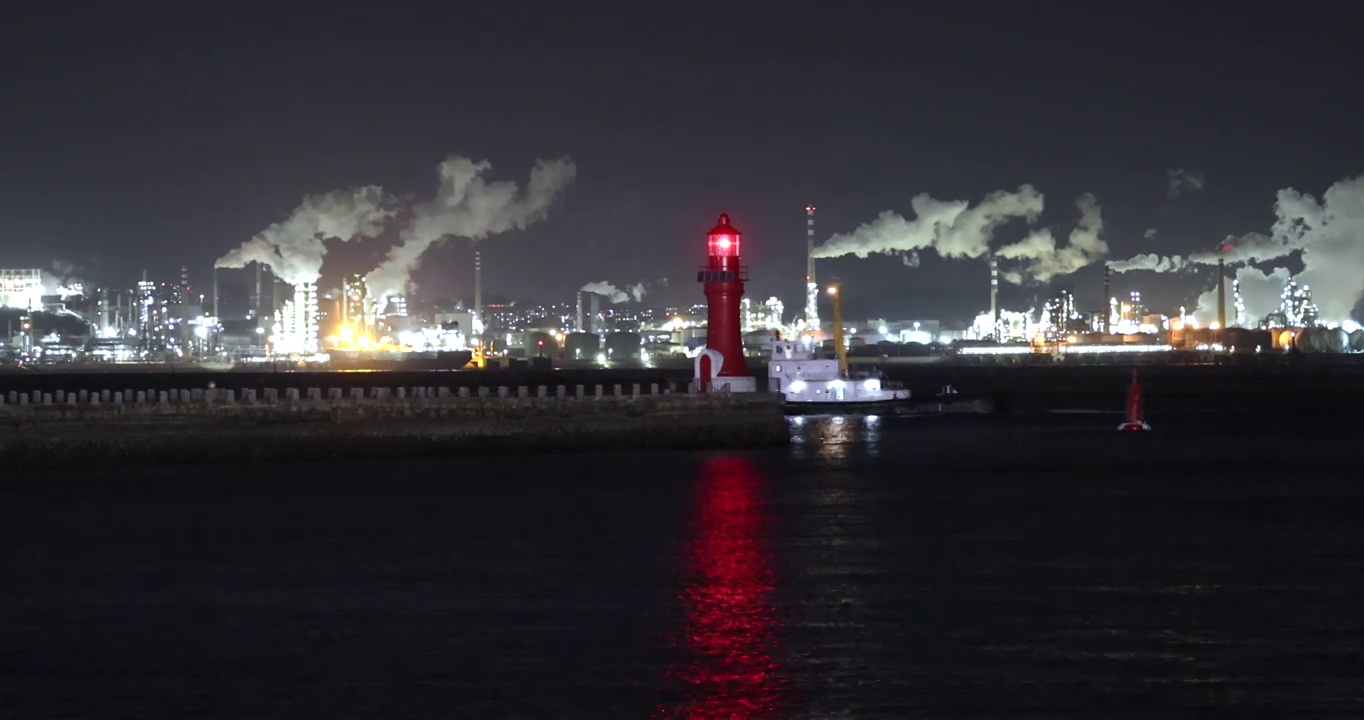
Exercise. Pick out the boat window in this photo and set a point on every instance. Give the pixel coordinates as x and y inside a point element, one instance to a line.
<point>776,368</point>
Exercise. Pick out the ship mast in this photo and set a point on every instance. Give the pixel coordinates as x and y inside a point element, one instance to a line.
<point>838,329</point>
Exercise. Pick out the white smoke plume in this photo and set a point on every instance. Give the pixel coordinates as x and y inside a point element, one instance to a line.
<point>295,247</point>
<point>953,229</point>
<point>1150,261</point>
<point>1249,248</point>
<point>1183,182</point>
<point>469,206</point>
<point>1331,235</point>
<point>1043,260</point>
<point>634,292</point>
<point>1260,291</point>
<point>1150,233</point>
<point>1327,233</point>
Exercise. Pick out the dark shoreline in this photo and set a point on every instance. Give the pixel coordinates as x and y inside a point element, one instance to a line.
<point>80,447</point>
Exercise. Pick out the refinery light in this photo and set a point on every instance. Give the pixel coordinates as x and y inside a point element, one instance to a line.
<point>1107,349</point>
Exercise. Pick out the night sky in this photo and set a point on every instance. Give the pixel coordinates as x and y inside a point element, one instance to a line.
<point>160,137</point>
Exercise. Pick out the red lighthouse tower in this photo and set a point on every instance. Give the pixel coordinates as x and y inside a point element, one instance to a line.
<point>721,366</point>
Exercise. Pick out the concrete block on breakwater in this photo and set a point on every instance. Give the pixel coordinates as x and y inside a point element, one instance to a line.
<point>218,427</point>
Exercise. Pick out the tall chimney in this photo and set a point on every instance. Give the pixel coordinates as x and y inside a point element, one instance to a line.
<point>579,325</point>
<point>994,298</point>
<point>255,299</point>
<point>215,292</point>
<point>1108,300</point>
<point>1221,297</point>
<point>103,309</point>
<point>594,307</point>
<point>809,243</point>
<point>811,286</point>
<point>478,286</point>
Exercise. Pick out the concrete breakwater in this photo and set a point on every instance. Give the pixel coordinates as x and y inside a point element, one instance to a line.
<point>222,426</point>
<point>271,395</point>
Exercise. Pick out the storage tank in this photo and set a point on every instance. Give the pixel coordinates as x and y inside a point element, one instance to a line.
<point>921,337</point>
<point>1357,341</point>
<point>1285,339</point>
<point>691,338</point>
<point>1305,341</point>
<point>1333,340</point>
<point>758,340</point>
<point>582,345</point>
<point>624,347</point>
<point>539,344</point>
<point>1247,340</point>
<point>1262,339</point>
<point>1323,340</point>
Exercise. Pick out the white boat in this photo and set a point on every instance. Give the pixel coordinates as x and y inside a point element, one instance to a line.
<point>807,381</point>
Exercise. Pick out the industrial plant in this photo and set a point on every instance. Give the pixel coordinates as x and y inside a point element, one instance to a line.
<point>246,313</point>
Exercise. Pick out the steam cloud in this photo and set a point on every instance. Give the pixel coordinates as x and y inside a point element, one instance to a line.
<point>1183,182</point>
<point>1044,260</point>
<point>955,229</point>
<point>614,294</point>
<point>64,275</point>
<point>295,247</point>
<point>466,205</point>
<point>469,206</point>
<point>1152,262</point>
<point>1325,233</point>
<point>1260,291</point>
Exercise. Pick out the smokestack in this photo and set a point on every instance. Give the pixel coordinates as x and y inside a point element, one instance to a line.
<point>579,325</point>
<point>994,298</point>
<point>1108,302</point>
<point>594,308</point>
<point>255,299</point>
<point>811,286</point>
<point>810,243</point>
<point>1221,297</point>
<point>478,285</point>
<point>215,292</point>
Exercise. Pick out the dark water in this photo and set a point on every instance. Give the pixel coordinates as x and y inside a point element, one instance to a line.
<point>876,569</point>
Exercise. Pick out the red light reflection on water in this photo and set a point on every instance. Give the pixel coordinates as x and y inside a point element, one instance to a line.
<point>729,624</point>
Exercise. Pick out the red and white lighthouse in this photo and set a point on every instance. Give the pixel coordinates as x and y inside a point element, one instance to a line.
<point>721,365</point>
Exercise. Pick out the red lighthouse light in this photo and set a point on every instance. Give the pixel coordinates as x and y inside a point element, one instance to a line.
<point>723,239</point>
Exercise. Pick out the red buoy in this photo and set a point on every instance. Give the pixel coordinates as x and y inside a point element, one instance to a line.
<point>1135,420</point>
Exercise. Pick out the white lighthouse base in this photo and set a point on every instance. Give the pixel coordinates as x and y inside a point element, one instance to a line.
<point>734,384</point>
<point>707,375</point>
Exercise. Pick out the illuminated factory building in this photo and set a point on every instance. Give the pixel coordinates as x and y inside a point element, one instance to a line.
<point>296,324</point>
<point>22,289</point>
<point>357,313</point>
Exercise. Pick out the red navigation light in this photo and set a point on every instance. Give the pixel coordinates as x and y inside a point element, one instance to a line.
<point>1226,247</point>
<point>723,239</point>
<point>541,343</point>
